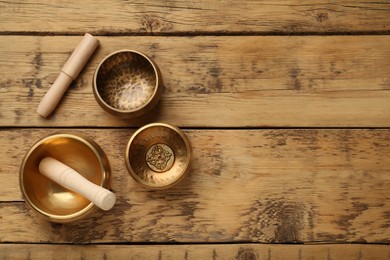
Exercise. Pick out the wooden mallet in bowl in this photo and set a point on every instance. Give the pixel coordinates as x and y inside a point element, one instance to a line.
<point>72,180</point>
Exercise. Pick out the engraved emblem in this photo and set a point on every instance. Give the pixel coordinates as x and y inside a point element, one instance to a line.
<point>159,157</point>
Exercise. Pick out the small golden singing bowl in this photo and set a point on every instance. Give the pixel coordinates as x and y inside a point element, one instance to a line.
<point>52,201</point>
<point>158,156</point>
<point>127,84</point>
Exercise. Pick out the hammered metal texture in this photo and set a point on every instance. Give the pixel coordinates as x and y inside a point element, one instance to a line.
<point>126,81</point>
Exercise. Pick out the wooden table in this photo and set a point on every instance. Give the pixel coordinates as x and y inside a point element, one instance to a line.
<point>286,104</point>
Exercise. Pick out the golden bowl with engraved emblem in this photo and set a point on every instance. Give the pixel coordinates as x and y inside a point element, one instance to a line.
<point>158,156</point>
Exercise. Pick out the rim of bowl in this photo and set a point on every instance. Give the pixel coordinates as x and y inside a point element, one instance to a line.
<point>121,111</point>
<point>182,174</point>
<point>104,165</point>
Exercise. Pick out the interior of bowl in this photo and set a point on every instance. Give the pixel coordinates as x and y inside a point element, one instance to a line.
<point>46,196</point>
<point>158,156</point>
<point>126,81</point>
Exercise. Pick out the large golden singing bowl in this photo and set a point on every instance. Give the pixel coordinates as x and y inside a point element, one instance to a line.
<point>52,201</point>
<point>158,156</point>
<point>127,84</point>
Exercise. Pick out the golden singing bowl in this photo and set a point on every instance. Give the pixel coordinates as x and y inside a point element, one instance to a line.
<point>127,83</point>
<point>52,201</point>
<point>158,156</point>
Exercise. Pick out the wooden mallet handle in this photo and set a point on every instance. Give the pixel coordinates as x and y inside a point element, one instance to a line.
<point>72,180</point>
<point>68,73</point>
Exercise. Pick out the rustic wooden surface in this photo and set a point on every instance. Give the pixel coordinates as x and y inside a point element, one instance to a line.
<point>193,17</point>
<point>300,186</point>
<point>328,81</point>
<point>286,104</point>
<point>188,252</point>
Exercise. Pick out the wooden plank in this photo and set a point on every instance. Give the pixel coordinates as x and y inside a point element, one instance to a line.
<point>338,81</point>
<point>187,252</point>
<point>283,186</point>
<point>178,16</point>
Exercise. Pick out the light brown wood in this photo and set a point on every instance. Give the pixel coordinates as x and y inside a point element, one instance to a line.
<point>338,81</point>
<point>188,252</point>
<point>72,180</point>
<point>231,69</point>
<point>69,72</point>
<point>195,17</point>
<point>244,185</point>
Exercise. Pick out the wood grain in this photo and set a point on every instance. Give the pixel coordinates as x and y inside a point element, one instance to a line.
<point>187,252</point>
<point>227,75</point>
<point>193,17</point>
<point>253,81</point>
<point>283,186</point>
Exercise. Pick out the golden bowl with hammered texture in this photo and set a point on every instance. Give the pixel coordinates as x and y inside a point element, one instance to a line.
<point>158,156</point>
<point>127,84</point>
<point>52,201</point>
